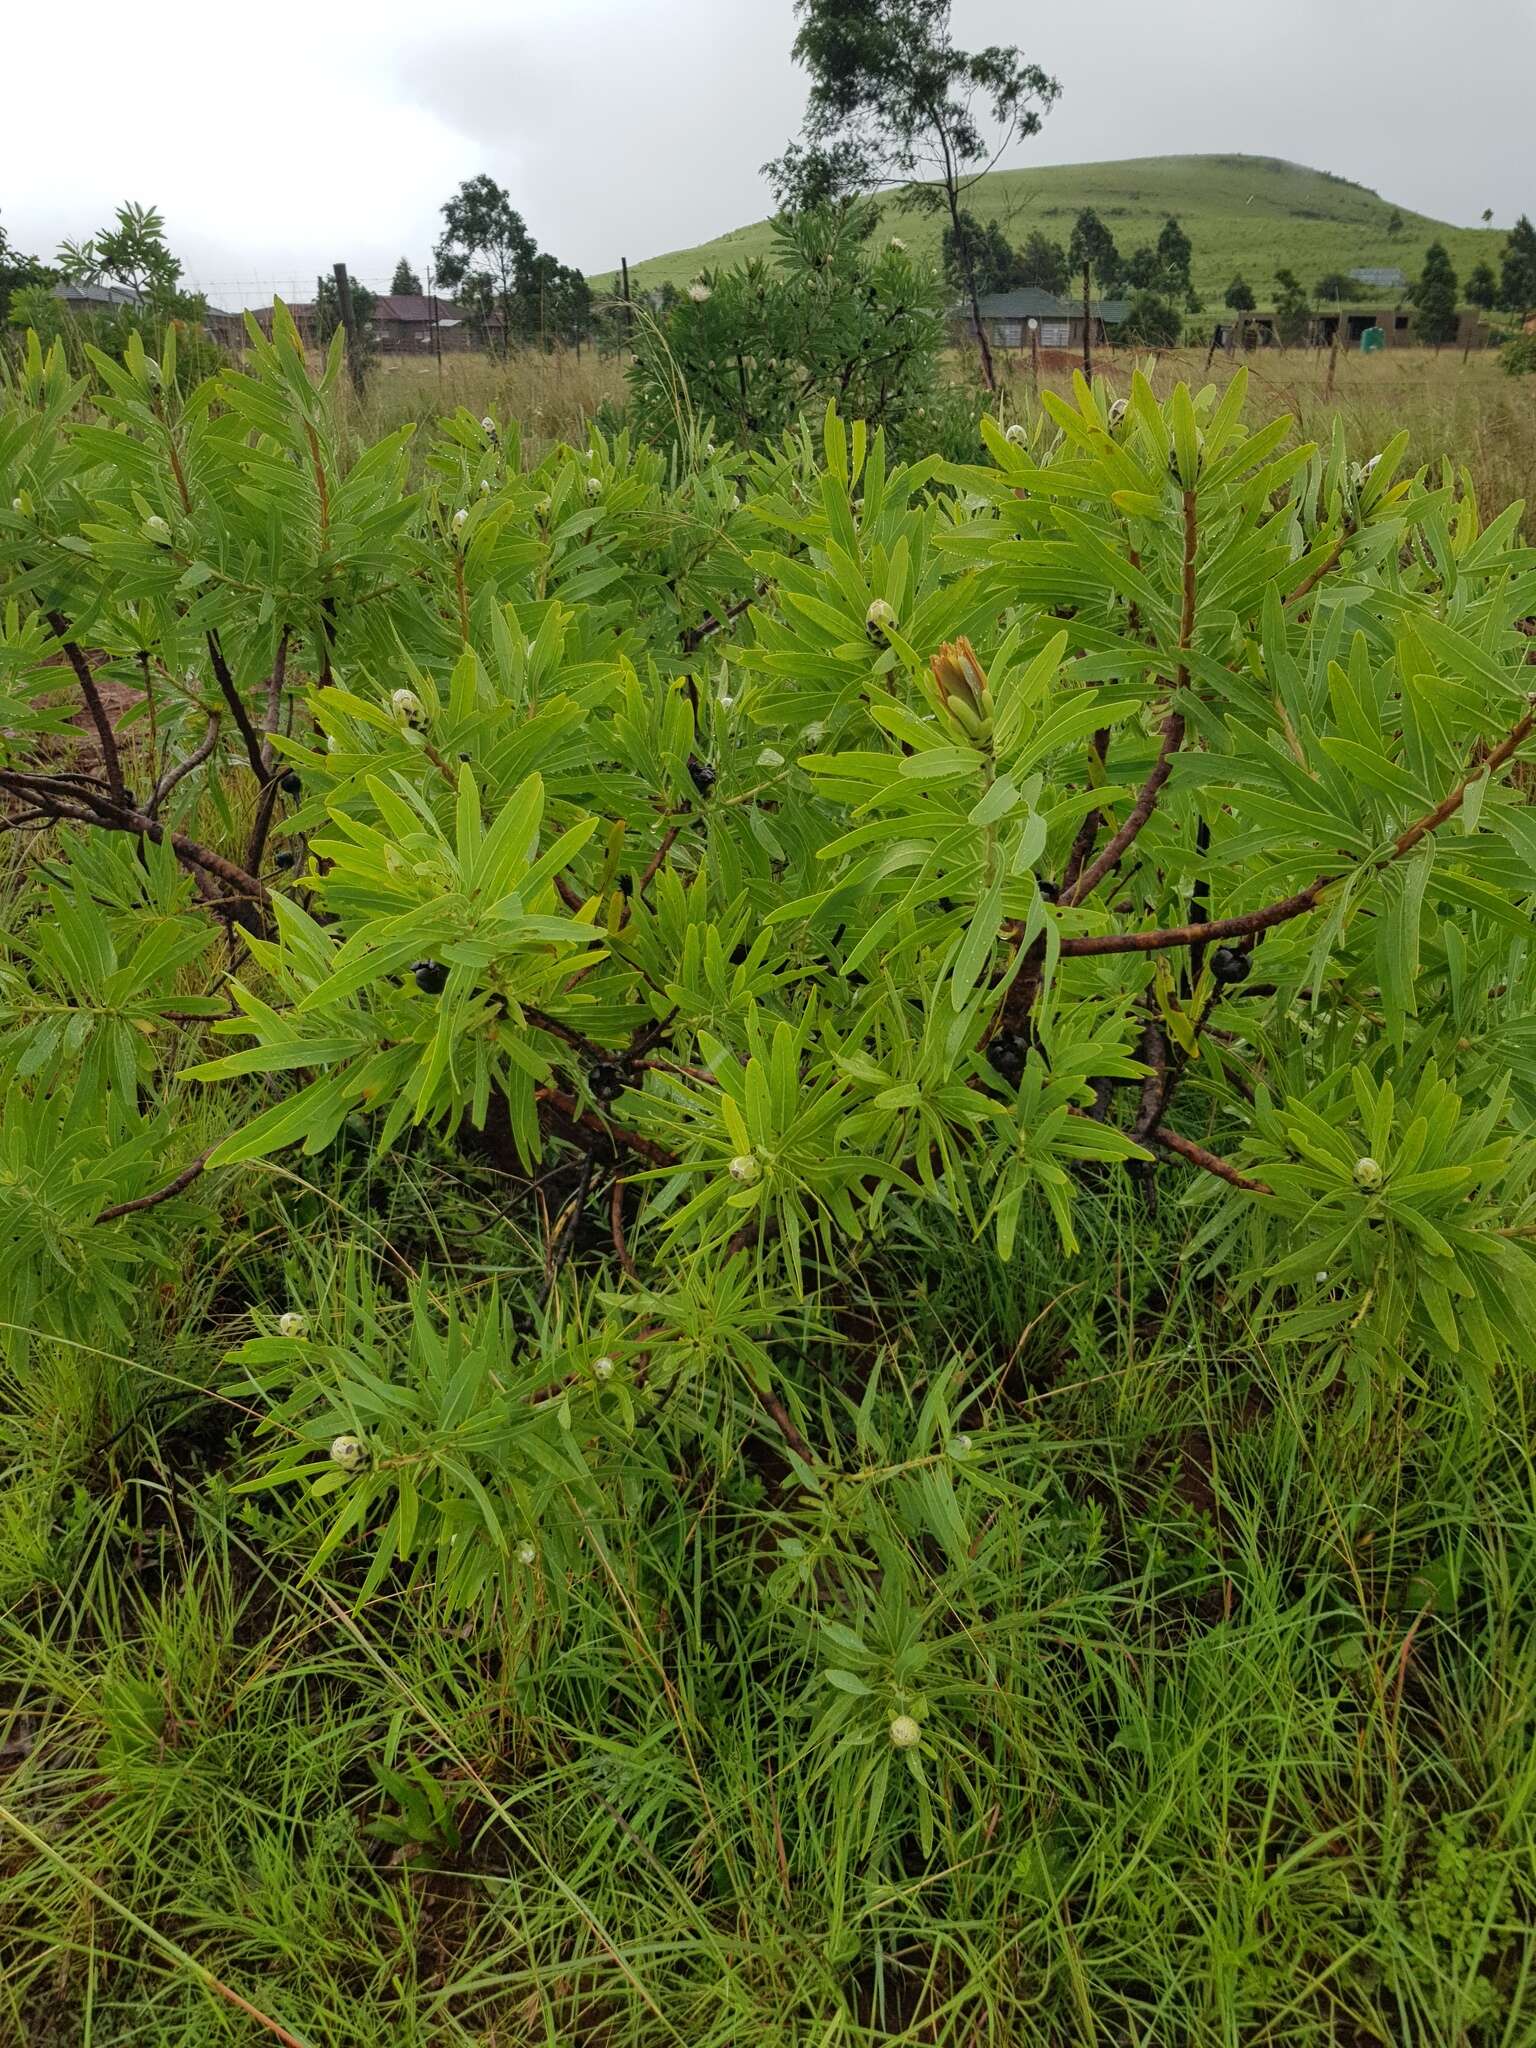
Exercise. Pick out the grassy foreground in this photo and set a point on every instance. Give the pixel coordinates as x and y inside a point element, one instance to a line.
<point>1253,1683</point>
<point>1225,1657</point>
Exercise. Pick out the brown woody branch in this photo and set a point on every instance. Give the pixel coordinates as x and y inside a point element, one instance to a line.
<point>106,737</point>
<point>1173,732</point>
<point>693,637</point>
<point>237,710</point>
<point>183,1180</point>
<point>1248,924</point>
<point>1212,1162</point>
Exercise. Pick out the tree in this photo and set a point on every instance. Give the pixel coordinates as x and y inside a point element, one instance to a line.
<point>486,255</point>
<point>1394,223</point>
<point>17,273</point>
<point>1152,321</point>
<point>892,100</point>
<point>978,252</point>
<point>1176,255</point>
<point>133,254</point>
<point>1517,268</point>
<point>1092,254</point>
<point>1335,287</point>
<point>405,279</point>
<point>1482,288</point>
<point>1293,310</point>
<point>1239,296</point>
<point>1042,263</point>
<point>328,319</point>
<point>1435,296</point>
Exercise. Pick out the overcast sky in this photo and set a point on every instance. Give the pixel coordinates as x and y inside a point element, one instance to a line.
<point>280,136</point>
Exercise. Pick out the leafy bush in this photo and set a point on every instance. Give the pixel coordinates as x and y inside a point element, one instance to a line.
<point>1519,356</point>
<point>1151,321</point>
<point>792,856</point>
<point>746,351</point>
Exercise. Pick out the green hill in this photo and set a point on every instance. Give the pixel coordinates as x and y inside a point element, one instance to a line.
<point>1247,213</point>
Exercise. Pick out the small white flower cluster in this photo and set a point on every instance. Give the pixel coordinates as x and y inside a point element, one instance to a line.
<point>698,292</point>
<point>896,242</point>
<point>905,1733</point>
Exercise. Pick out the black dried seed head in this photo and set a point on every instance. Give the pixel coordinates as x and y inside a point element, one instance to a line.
<point>431,976</point>
<point>606,1080</point>
<point>704,773</point>
<point>1050,891</point>
<point>1228,964</point>
<point>282,861</point>
<point>626,885</point>
<point>291,785</point>
<point>1006,1055</point>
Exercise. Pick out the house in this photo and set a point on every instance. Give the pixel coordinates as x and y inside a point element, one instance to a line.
<point>1397,324</point>
<point>404,324</point>
<point>409,323</point>
<point>1006,317</point>
<point>88,299</point>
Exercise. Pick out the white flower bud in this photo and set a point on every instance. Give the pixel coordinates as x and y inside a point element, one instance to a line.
<point>460,520</point>
<point>1018,436</point>
<point>488,426</point>
<point>959,1447</point>
<point>156,528</point>
<point>17,506</point>
<point>726,700</point>
<point>406,706</point>
<point>698,293</point>
<point>878,621</point>
<point>744,1167</point>
<point>905,1733</point>
<point>290,1325</point>
<point>527,1553</point>
<point>602,1368</point>
<point>1117,413</point>
<point>348,1452</point>
<point>594,487</point>
<point>896,242</point>
<point>485,487</point>
<point>1367,1173</point>
<point>542,508</point>
<point>1320,1277</point>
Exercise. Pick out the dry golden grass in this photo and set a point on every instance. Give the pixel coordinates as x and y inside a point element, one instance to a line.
<point>551,396</point>
<point>1469,411</point>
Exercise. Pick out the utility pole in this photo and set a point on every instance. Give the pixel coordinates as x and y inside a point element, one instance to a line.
<point>629,311</point>
<point>349,322</point>
<point>437,325</point>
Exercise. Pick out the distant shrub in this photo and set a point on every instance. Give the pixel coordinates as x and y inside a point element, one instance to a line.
<point>1151,322</point>
<point>745,352</point>
<point>1519,356</point>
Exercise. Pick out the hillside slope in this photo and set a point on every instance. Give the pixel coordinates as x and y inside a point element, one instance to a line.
<point>1247,213</point>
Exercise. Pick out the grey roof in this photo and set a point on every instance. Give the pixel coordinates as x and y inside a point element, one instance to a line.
<point>1382,278</point>
<point>96,294</point>
<point>1031,303</point>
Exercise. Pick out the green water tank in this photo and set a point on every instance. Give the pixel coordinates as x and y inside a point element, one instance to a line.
<point>1372,339</point>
